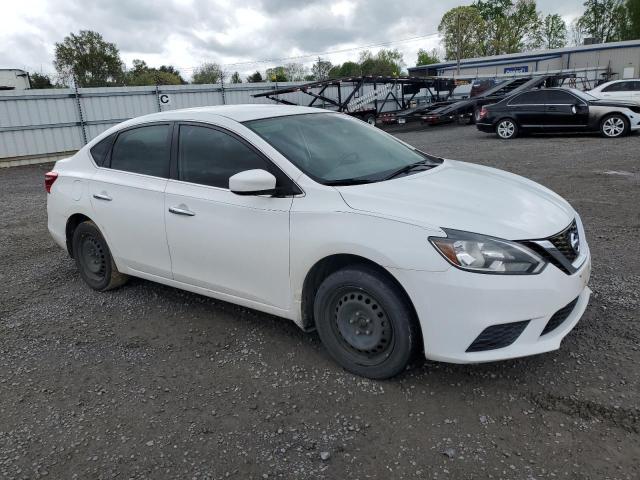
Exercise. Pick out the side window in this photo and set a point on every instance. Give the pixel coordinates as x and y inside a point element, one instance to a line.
<point>558,97</point>
<point>528,98</point>
<point>100,150</point>
<point>618,87</point>
<point>636,86</point>
<point>143,150</point>
<point>210,157</point>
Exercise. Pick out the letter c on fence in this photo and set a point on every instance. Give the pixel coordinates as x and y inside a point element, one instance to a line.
<point>164,99</point>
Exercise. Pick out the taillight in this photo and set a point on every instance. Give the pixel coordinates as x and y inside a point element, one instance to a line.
<point>483,112</point>
<point>49,178</point>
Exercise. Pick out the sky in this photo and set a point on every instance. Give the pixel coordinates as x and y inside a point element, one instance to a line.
<point>237,34</point>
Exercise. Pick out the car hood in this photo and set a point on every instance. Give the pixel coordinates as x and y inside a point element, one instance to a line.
<point>467,197</point>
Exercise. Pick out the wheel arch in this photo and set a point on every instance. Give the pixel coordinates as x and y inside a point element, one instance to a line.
<point>330,264</point>
<point>72,223</point>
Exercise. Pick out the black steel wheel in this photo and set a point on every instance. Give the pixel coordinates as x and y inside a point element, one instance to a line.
<point>365,322</point>
<point>93,258</point>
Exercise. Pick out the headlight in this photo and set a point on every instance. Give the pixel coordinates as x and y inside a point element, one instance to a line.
<point>482,254</point>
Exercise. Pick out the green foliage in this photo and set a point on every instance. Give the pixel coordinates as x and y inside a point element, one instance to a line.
<point>208,72</point>
<point>633,14</point>
<point>40,80</point>
<point>553,33</point>
<point>510,26</point>
<point>462,30</point>
<point>347,69</point>
<point>385,63</point>
<point>320,70</point>
<point>88,59</point>
<point>427,58</point>
<point>276,74</point>
<point>235,78</point>
<point>141,74</point>
<point>605,20</point>
<point>255,77</point>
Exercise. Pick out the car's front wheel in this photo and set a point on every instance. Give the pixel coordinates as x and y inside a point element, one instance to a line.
<point>506,129</point>
<point>614,125</point>
<point>93,258</point>
<point>365,322</point>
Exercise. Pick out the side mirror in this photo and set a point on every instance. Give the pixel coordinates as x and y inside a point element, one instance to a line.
<point>253,182</point>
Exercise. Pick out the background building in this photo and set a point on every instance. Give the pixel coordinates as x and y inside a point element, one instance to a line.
<point>14,79</point>
<point>614,61</point>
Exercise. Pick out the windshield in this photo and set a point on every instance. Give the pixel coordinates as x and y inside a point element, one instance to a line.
<point>333,148</point>
<point>583,95</point>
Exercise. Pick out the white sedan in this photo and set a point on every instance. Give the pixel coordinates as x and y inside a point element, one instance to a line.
<point>623,90</point>
<point>325,220</point>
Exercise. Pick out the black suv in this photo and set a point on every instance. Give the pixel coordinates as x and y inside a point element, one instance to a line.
<point>558,110</point>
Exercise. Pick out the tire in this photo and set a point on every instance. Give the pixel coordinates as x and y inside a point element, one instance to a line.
<point>476,114</point>
<point>93,258</point>
<point>614,126</point>
<point>506,129</point>
<point>370,118</point>
<point>365,322</point>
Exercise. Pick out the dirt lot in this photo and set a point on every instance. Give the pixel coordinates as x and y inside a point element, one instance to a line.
<point>152,382</point>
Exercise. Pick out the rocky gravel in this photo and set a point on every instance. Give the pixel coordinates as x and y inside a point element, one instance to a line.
<point>151,382</point>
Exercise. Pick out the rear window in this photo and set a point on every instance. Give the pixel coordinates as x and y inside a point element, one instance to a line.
<point>144,150</point>
<point>528,98</point>
<point>101,149</point>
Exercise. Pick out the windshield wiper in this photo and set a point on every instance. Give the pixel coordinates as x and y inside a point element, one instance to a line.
<point>408,168</point>
<point>348,181</point>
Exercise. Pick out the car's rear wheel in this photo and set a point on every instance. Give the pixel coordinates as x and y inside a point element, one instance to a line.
<point>476,114</point>
<point>94,260</point>
<point>365,322</point>
<point>370,119</point>
<point>614,125</point>
<point>507,129</point>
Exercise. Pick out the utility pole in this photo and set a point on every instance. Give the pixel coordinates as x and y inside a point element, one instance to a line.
<point>458,41</point>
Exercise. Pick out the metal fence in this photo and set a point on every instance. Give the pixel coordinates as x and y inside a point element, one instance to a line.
<point>38,126</point>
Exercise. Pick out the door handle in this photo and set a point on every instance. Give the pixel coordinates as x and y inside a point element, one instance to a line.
<point>552,109</point>
<point>181,211</point>
<point>102,196</point>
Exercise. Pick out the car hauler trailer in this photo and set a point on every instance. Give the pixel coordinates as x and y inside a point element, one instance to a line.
<point>367,97</point>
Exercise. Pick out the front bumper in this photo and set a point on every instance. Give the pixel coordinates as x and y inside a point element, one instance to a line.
<point>454,307</point>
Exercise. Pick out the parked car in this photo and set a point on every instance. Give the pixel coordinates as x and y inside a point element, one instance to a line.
<point>624,90</point>
<point>558,110</point>
<point>325,220</point>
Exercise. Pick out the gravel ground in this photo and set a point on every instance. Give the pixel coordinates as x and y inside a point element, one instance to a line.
<point>152,382</point>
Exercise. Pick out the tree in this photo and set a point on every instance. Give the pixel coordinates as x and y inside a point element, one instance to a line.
<point>235,78</point>
<point>295,72</point>
<point>142,74</point>
<point>276,74</point>
<point>255,77</point>
<point>208,72</point>
<point>605,20</point>
<point>385,62</point>
<point>347,69</point>
<point>633,14</point>
<point>171,69</point>
<point>320,70</point>
<point>576,34</point>
<point>88,59</point>
<point>427,58</point>
<point>462,31</point>
<point>553,33</point>
<point>40,80</point>
<point>510,26</point>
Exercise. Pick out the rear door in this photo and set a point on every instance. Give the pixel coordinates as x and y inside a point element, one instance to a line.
<point>127,194</point>
<point>636,91</point>
<point>623,91</point>
<point>528,108</point>
<point>565,111</point>
<point>232,244</point>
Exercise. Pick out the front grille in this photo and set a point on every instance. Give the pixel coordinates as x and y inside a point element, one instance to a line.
<point>498,336</point>
<point>559,317</point>
<point>562,241</point>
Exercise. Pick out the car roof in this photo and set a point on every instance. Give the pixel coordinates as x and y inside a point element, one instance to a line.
<point>238,113</point>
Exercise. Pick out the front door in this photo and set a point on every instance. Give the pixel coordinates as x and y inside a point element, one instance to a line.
<point>565,111</point>
<point>127,195</point>
<point>231,244</point>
